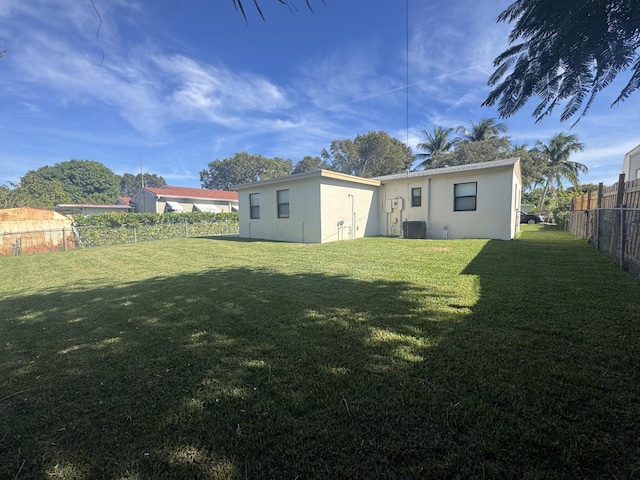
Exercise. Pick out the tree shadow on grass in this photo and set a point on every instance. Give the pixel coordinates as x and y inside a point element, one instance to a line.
<point>228,373</point>
<point>248,373</point>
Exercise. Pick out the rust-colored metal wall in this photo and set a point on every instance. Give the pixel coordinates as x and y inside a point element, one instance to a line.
<point>30,230</point>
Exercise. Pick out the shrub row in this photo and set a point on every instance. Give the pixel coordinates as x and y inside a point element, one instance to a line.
<point>113,229</point>
<point>134,219</point>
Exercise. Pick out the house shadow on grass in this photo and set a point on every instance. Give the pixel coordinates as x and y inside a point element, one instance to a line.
<point>248,373</point>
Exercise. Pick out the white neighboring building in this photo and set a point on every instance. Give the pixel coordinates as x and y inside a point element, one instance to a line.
<point>183,199</point>
<point>480,200</point>
<point>631,165</point>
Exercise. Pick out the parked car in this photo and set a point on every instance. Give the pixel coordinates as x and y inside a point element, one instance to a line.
<point>530,218</point>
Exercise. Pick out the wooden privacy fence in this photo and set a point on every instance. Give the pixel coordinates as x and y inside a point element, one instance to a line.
<point>615,196</point>
<point>609,218</point>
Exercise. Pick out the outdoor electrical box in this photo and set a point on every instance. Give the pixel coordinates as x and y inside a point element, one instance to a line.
<point>414,229</point>
<point>396,203</point>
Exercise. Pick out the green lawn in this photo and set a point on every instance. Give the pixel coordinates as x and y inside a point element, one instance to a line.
<point>374,358</point>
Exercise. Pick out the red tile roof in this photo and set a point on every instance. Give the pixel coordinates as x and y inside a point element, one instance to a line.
<point>184,192</point>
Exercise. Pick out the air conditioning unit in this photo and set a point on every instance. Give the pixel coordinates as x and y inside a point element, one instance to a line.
<point>414,229</point>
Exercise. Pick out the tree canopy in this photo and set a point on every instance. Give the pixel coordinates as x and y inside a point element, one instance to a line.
<point>243,168</point>
<point>371,155</point>
<point>464,153</point>
<point>310,164</point>
<point>565,53</point>
<point>437,143</point>
<point>73,181</point>
<point>130,184</point>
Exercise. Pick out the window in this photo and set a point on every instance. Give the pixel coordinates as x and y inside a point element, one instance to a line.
<point>283,203</point>
<point>254,203</point>
<point>416,197</point>
<point>464,196</point>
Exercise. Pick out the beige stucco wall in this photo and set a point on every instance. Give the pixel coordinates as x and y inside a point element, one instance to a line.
<point>316,205</point>
<point>358,212</point>
<point>303,224</point>
<point>496,204</point>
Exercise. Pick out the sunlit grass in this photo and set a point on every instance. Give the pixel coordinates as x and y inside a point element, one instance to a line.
<point>375,358</point>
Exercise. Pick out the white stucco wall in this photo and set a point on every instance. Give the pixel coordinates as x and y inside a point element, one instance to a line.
<point>497,203</point>
<point>358,212</point>
<point>318,201</point>
<point>631,164</point>
<point>303,224</point>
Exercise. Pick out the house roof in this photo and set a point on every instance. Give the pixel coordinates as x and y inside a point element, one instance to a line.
<point>306,175</point>
<point>459,168</point>
<point>124,200</point>
<point>200,193</point>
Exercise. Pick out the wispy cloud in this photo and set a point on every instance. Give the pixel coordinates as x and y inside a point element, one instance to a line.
<point>146,87</point>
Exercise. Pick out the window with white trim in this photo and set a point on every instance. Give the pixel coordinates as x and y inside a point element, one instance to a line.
<point>254,204</point>
<point>416,197</point>
<point>465,196</point>
<point>283,203</point>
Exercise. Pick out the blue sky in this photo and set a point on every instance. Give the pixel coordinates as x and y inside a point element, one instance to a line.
<point>167,87</point>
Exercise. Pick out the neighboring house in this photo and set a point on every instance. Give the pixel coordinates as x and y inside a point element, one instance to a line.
<point>181,199</point>
<point>470,201</point>
<point>122,201</point>
<point>631,165</point>
<point>90,209</point>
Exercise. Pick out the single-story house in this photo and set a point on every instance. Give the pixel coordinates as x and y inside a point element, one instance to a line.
<point>182,199</point>
<point>631,164</point>
<point>480,200</point>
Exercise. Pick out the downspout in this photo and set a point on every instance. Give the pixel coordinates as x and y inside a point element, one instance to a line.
<point>353,217</point>
<point>428,197</point>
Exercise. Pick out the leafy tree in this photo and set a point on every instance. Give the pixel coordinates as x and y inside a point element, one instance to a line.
<point>39,192</point>
<point>565,52</point>
<point>13,197</point>
<point>467,152</point>
<point>130,184</point>
<point>437,143</point>
<point>371,155</point>
<point>483,130</point>
<point>558,166</point>
<point>84,181</point>
<point>243,168</point>
<point>310,164</point>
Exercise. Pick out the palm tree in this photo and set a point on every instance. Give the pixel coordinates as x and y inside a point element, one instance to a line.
<point>558,165</point>
<point>438,142</point>
<point>483,130</point>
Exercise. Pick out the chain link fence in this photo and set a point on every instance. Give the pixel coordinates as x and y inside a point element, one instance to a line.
<point>40,241</point>
<point>613,231</point>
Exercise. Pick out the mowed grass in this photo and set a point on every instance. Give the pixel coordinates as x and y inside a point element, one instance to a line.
<point>374,358</point>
